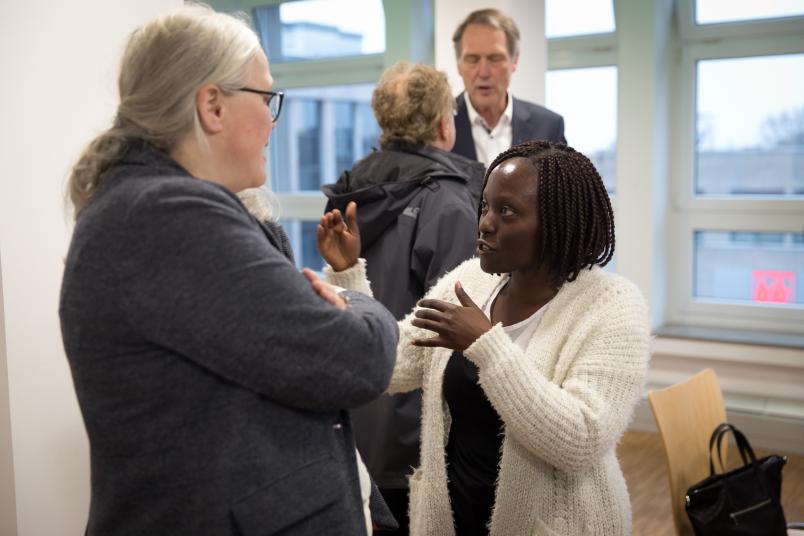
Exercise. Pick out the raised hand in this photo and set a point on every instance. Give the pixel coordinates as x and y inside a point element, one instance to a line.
<point>338,240</point>
<point>457,326</point>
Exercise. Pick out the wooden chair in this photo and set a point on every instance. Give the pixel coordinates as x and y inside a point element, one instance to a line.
<point>686,414</point>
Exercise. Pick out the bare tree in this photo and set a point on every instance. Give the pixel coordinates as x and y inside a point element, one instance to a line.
<point>784,128</point>
<point>704,133</point>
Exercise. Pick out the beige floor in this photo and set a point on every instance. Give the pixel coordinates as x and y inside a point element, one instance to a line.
<point>642,460</point>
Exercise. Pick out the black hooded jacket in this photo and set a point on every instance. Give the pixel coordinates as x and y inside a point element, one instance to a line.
<point>417,214</point>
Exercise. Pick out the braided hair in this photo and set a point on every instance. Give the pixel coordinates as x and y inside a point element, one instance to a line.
<point>575,216</point>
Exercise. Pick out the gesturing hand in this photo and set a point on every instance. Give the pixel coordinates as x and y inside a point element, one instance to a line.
<point>457,326</point>
<point>338,240</point>
<point>324,290</point>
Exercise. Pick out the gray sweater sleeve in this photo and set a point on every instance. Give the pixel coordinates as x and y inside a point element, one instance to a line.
<point>203,281</point>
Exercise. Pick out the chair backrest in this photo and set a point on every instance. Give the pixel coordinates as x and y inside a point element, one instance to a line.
<point>686,414</point>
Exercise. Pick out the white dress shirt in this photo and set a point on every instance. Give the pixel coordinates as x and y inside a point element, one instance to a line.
<point>489,142</point>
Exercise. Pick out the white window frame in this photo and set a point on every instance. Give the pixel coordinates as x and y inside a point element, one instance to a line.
<point>578,52</point>
<point>689,213</point>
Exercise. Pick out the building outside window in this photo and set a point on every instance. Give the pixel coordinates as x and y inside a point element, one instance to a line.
<point>327,64</point>
<point>740,199</point>
<point>581,81</point>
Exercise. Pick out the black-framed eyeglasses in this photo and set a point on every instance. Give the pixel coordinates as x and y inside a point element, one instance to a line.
<point>274,104</point>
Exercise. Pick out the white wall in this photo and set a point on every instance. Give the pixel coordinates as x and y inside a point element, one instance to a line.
<point>528,81</point>
<point>8,515</point>
<point>59,64</point>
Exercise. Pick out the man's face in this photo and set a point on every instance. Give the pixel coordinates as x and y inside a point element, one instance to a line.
<point>486,67</point>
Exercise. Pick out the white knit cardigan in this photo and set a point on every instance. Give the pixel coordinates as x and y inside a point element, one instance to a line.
<point>565,402</point>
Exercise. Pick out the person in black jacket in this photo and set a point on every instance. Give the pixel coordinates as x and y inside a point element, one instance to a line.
<point>418,220</point>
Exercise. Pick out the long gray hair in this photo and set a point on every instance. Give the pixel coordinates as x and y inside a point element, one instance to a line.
<point>165,62</point>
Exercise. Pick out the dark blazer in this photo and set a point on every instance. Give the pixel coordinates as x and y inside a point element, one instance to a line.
<point>529,122</point>
<point>212,380</point>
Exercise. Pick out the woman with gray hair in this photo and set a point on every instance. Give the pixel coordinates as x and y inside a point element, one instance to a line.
<point>212,380</point>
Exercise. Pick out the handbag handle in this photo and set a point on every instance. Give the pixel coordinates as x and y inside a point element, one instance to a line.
<point>746,452</point>
<point>722,429</point>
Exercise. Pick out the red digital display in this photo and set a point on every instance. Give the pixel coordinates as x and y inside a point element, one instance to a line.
<point>773,286</point>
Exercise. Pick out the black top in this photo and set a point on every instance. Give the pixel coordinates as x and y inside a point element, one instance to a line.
<point>473,448</point>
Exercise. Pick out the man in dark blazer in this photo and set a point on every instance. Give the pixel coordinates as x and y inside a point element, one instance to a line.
<point>489,119</point>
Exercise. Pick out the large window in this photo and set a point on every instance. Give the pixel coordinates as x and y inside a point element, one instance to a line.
<point>721,11</point>
<point>326,55</point>
<point>734,124</point>
<point>590,118</point>
<point>739,236</point>
<point>321,133</point>
<point>317,29</point>
<point>566,18</point>
<point>582,54</point>
<point>581,81</point>
<point>750,126</point>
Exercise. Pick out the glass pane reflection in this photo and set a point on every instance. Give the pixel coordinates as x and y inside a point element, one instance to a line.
<point>590,117</point>
<point>317,29</point>
<point>564,18</point>
<point>719,11</point>
<point>750,126</point>
<point>758,267</point>
<point>322,132</point>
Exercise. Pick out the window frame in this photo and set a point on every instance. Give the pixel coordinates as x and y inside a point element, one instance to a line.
<point>403,40</point>
<point>346,70</point>
<point>690,30</point>
<point>689,213</point>
<point>578,52</point>
<point>585,52</point>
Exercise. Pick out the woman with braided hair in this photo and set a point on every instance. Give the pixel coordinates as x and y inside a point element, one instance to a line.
<point>537,362</point>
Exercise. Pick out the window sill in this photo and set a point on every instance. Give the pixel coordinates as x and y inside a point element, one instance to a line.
<point>734,336</point>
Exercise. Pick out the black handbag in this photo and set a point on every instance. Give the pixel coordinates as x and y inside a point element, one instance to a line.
<point>745,501</point>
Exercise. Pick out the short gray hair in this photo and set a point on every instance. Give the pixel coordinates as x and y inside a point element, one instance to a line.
<point>409,102</point>
<point>493,18</point>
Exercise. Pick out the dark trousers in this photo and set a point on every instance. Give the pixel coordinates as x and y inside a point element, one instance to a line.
<point>397,501</point>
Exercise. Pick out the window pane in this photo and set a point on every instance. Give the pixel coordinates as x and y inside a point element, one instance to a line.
<point>302,239</point>
<point>309,114</point>
<point>344,134</point>
<point>564,18</point>
<point>590,117</point>
<point>322,131</point>
<point>715,11</point>
<point>315,29</point>
<point>750,126</point>
<point>757,267</point>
